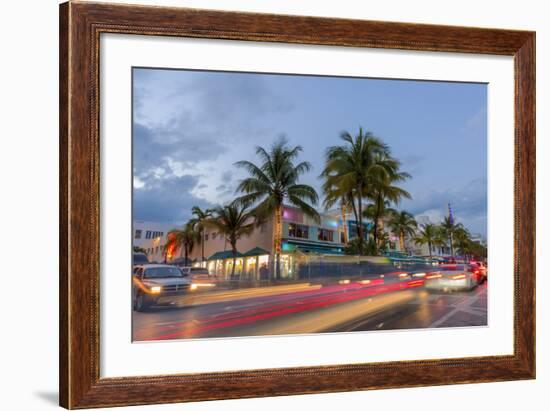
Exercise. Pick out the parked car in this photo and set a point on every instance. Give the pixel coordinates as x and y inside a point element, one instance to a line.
<point>158,284</point>
<point>139,259</point>
<point>453,277</point>
<point>200,277</point>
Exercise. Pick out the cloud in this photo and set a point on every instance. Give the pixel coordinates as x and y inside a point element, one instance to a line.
<point>171,147</point>
<point>167,199</point>
<point>185,129</point>
<point>226,176</point>
<point>412,163</point>
<point>469,204</point>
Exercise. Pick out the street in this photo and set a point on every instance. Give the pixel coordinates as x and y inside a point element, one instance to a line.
<point>309,308</point>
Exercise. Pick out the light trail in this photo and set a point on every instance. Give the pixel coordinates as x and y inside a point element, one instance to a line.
<point>315,300</point>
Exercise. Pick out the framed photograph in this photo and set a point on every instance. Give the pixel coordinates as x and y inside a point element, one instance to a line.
<point>259,205</point>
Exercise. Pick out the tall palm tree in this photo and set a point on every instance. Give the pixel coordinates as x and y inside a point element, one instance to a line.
<point>351,169</point>
<point>403,225</point>
<point>430,235</point>
<point>448,226</point>
<point>274,181</point>
<point>183,239</point>
<point>233,221</point>
<point>384,191</point>
<point>198,223</point>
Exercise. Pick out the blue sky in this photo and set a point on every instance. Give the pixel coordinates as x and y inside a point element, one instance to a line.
<point>191,126</point>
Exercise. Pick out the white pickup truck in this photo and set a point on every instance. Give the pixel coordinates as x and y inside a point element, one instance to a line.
<point>158,284</point>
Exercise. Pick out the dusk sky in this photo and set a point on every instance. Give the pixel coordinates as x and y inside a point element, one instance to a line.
<point>191,127</point>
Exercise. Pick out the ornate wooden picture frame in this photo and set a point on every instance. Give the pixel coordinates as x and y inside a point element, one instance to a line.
<point>81,25</point>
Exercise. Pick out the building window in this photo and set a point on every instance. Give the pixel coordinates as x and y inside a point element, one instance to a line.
<point>206,237</point>
<point>325,235</point>
<point>298,231</point>
<point>353,231</point>
<point>138,234</point>
<point>148,234</point>
<point>214,235</point>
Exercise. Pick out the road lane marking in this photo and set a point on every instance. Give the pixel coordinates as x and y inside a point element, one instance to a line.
<point>463,306</point>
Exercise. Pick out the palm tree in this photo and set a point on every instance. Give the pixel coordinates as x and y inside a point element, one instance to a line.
<point>198,223</point>
<point>448,227</point>
<point>274,181</point>
<point>462,241</point>
<point>384,191</point>
<point>346,201</point>
<point>351,169</point>
<point>383,240</point>
<point>233,221</point>
<point>431,235</point>
<point>183,239</point>
<point>403,224</point>
<point>478,250</point>
<point>377,212</point>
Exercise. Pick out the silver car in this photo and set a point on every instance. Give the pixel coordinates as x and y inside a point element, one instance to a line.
<point>158,284</point>
<point>453,277</point>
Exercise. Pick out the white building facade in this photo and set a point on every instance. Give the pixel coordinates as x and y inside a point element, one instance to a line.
<point>151,237</point>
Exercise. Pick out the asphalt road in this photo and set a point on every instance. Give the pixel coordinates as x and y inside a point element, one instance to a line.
<point>312,309</point>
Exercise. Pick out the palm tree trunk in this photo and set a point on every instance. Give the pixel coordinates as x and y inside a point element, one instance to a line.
<point>402,241</point>
<point>344,222</point>
<point>202,247</point>
<point>234,250</point>
<point>430,250</point>
<point>277,235</point>
<point>354,208</point>
<point>377,207</point>
<point>186,253</point>
<point>360,222</point>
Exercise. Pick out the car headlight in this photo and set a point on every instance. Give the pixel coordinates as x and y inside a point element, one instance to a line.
<point>156,289</point>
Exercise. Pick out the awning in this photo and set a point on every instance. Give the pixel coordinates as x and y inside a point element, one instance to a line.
<point>223,255</point>
<point>256,251</point>
<point>307,247</point>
